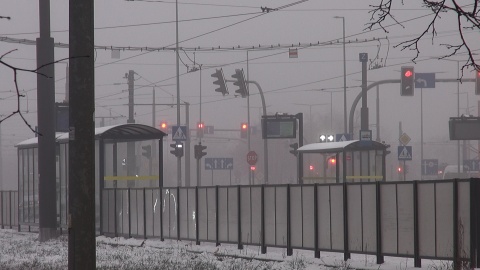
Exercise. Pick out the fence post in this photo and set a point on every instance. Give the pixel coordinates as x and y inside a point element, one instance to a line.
<point>380,258</point>
<point>289,226</point>
<point>456,255</point>
<point>239,208</point>
<point>1,209</point>
<point>115,215</point>
<point>161,213</point>
<point>10,212</point>
<point>264,246</point>
<point>217,242</point>
<point>315,220</point>
<point>473,222</point>
<point>145,214</point>
<point>417,262</point>
<point>346,254</point>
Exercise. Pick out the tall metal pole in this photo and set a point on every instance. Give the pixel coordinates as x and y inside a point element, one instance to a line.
<point>344,78</point>
<point>458,114</point>
<point>421,133</point>
<point>46,113</point>
<point>250,173</point>
<point>187,145</point>
<point>131,161</point>
<point>81,180</point>
<point>364,109</point>
<point>179,159</point>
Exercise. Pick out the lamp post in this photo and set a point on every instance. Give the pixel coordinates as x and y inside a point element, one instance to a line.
<point>177,54</point>
<point>344,77</point>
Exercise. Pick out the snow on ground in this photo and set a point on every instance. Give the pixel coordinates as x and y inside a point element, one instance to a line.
<point>22,250</point>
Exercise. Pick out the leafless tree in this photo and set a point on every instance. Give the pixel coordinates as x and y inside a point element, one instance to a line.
<point>467,18</point>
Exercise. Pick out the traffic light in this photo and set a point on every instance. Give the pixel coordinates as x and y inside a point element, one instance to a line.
<point>477,82</point>
<point>177,149</point>
<point>407,81</point>
<point>243,130</point>
<point>240,82</point>
<point>200,129</point>
<point>294,147</point>
<point>164,126</point>
<point>198,151</point>
<point>311,168</point>
<point>332,161</point>
<point>220,82</point>
<point>252,168</point>
<point>147,151</point>
<point>400,169</point>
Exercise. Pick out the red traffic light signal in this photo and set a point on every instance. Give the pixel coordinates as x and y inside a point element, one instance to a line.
<point>252,168</point>
<point>200,129</point>
<point>164,126</point>
<point>399,169</point>
<point>332,161</point>
<point>243,130</point>
<point>407,82</point>
<point>311,168</point>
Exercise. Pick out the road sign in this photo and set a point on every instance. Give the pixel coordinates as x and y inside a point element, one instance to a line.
<point>404,139</point>
<point>363,57</point>
<point>430,167</point>
<point>179,133</point>
<point>471,165</point>
<point>424,80</point>
<point>342,137</point>
<point>218,163</point>
<point>404,152</point>
<point>252,158</point>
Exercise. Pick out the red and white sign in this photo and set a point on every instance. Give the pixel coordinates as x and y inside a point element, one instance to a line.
<point>252,158</point>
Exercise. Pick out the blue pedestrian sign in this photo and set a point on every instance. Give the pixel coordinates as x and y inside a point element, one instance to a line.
<point>179,133</point>
<point>218,163</point>
<point>342,137</point>
<point>430,167</point>
<point>404,152</point>
<point>424,80</point>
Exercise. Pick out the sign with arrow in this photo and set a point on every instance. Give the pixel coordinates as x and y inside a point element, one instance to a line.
<point>218,163</point>
<point>424,80</point>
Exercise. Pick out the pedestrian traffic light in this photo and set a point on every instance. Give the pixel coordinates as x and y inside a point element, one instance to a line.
<point>477,82</point>
<point>200,129</point>
<point>177,149</point>
<point>198,150</point>
<point>407,81</point>
<point>164,126</point>
<point>147,151</point>
<point>243,130</point>
<point>294,147</point>
<point>240,82</point>
<point>220,82</point>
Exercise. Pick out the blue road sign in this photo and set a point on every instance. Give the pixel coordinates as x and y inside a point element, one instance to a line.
<point>471,164</point>
<point>430,167</point>
<point>424,80</point>
<point>218,163</point>
<point>341,137</point>
<point>363,57</point>
<point>179,133</point>
<point>404,152</point>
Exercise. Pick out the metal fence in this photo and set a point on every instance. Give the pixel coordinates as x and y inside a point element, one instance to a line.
<point>8,209</point>
<point>417,219</point>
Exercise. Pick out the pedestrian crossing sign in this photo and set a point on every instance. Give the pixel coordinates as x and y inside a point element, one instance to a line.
<point>404,152</point>
<point>179,133</point>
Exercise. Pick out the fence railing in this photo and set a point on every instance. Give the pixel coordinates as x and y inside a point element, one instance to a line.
<point>417,219</point>
<point>8,209</point>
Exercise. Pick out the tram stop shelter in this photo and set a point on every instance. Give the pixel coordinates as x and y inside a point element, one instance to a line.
<point>126,156</point>
<point>341,162</point>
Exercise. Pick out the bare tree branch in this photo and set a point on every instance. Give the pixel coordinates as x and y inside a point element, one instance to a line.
<point>468,18</point>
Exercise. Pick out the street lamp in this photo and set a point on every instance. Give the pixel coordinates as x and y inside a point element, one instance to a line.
<point>344,77</point>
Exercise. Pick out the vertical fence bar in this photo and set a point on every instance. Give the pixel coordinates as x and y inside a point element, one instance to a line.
<point>10,212</point>
<point>197,240</point>
<point>456,255</point>
<point>315,220</point>
<point>289,225</point>
<point>178,213</point>
<point>473,222</point>
<point>239,209</point>
<point>217,242</point>
<point>346,254</point>
<point>417,262</point>
<point>115,212</point>
<point>129,213</point>
<point>160,194</point>
<point>380,258</point>
<point>145,214</point>
<point>1,209</point>
<point>264,246</point>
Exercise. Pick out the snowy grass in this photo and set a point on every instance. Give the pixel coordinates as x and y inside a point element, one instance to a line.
<point>20,250</point>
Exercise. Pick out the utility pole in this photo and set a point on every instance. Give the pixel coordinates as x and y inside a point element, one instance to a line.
<point>81,175</point>
<point>46,113</point>
<point>131,162</point>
